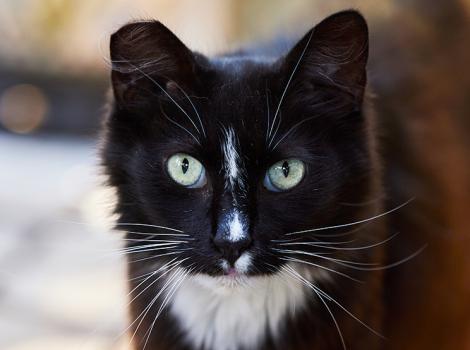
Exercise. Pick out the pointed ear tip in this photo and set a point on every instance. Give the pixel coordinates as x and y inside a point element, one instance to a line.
<point>353,17</point>
<point>348,17</point>
<point>127,32</point>
<point>134,26</point>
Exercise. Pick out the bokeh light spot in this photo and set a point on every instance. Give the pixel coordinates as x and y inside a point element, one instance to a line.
<point>23,108</point>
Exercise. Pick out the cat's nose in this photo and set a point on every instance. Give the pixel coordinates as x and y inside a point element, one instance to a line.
<point>232,237</point>
<point>231,250</point>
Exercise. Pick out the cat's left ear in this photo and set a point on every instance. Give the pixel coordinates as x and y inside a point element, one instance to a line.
<point>333,54</point>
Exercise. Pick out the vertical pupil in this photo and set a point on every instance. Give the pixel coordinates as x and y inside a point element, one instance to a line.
<point>285,168</point>
<point>185,165</point>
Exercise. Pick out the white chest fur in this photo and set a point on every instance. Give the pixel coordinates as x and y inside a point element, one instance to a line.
<point>219,314</point>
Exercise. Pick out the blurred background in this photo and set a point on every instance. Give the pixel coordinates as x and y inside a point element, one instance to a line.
<point>60,284</point>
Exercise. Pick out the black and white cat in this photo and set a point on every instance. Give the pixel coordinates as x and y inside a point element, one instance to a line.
<point>250,191</point>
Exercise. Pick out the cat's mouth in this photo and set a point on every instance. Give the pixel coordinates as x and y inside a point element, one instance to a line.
<point>241,267</point>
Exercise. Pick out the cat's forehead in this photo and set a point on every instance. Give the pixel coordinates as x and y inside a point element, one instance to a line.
<point>239,92</point>
<point>244,77</point>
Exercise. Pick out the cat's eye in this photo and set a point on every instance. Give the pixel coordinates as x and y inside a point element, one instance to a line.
<point>284,175</point>
<point>186,170</point>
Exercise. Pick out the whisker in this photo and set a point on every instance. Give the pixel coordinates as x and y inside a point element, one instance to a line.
<point>140,315</point>
<point>127,251</point>
<point>300,252</point>
<point>160,243</point>
<point>181,126</point>
<point>320,243</point>
<point>171,264</point>
<point>289,81</point>
<point>180,233</point>
<point>175,252</point>
<point>275,131</point>
<point>353,223</point>
<point>164,303</point>
<point>149,239</point>
<point>174,266</point>
<point>336,235</point>
<point>194,107</point>
<point>320,267</point>
<point>150,273</point>
<point>147,225</point>
<point>338,329</point>
<point>330,298</point>
<point>166,93</point>
<point>145,250</point>
<point>314,244</point>
<point>391,265</point>
<point>290,131</point>
<point>144,313</point>
<point>147,246</point>
<point>158,234</point>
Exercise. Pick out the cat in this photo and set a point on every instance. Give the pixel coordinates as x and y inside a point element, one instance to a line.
<point>250,190</point>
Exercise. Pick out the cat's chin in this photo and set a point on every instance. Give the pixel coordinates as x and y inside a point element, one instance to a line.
<point>227,283</point>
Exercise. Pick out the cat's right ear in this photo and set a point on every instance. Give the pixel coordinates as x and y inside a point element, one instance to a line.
<point>148,60</point>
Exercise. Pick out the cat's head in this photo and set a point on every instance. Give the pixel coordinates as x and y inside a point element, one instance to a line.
<point>221,164</point>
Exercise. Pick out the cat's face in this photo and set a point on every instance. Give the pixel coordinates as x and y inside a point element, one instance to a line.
<point>224,161</point>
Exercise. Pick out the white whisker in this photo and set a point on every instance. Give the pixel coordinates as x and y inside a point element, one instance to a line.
<point>300,252</point>
<point>146,310</point>
<point>299,278</point>
<point>353,223</point>
<point>166,93</point>
<point>147,225</point>
<point>172,263</point>
<point>164,303</point>
<point>140,315</point>
<point>320,267</point>
<point>181,126</point>
<point>330,298</point>
<point>149,239</point>
<point>175,252</point>
<point>289,81</point>
<point>290,131</point>
<point>145,250</point>
<point>194,107</point>
<point>389,266</point>
<point>318,245</point>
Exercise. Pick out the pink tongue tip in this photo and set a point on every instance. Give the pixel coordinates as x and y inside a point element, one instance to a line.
<point>232,272</point>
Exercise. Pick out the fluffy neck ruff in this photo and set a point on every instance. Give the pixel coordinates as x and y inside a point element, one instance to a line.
<point>224,313</point>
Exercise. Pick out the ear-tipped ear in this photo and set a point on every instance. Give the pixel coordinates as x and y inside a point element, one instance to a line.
<point>146,57</point>
<point>334,53</point>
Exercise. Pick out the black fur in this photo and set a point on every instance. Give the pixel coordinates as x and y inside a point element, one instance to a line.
<point>334,137</point>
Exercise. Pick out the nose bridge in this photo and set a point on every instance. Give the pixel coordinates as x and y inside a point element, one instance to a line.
<point>232,233</point>
<point>233,166</point>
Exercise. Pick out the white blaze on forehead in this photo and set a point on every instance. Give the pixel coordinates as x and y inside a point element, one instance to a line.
<point>237,227</point>
<point>231,157</point>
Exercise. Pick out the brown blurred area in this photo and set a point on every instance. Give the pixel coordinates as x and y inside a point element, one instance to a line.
<point>53,79</point>
<point>426,105</point>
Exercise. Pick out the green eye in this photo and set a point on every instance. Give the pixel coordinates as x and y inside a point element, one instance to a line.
<point>284,175</point>
<point>186,170</point>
